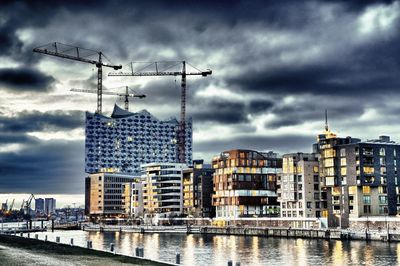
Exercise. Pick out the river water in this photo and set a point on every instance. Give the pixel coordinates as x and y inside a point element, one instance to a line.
<point>249,250</point>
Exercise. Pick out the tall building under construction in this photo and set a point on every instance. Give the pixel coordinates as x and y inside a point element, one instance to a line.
<point>126,140</point>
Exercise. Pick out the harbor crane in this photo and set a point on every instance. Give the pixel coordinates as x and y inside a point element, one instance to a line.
<point>126,95</point>
<point>155,71</point>
<point>27,205</point>
<point>82,55</point>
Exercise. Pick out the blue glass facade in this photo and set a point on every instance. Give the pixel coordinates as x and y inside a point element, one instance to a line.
<point>124,141</point>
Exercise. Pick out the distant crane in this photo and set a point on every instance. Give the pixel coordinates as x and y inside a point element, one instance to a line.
<point>81,55</point>
<point>155,71</point>
<point>27,205</point>
<point>127,95</point>
<point>12,205</point>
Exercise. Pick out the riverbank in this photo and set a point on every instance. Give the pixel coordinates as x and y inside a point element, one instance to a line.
<point>334,234</point>
<point>15,250</point>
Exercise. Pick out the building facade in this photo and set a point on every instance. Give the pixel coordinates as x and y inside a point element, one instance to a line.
<point>299,191</point>
<point>360,177</point>
<point>245,184</point>
<point>162,189</point>
<point>49,206</point>
<point>39,205</point>
<point>124,141</point>
<point>198,190</point>
<point>105,194</point>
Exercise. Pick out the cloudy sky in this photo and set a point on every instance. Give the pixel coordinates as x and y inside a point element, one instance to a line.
<point>277,65</point>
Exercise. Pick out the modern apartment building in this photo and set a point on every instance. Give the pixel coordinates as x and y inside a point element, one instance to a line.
<point>134,199</point>
<point>198,190</point>
<point>39,205</point>
<point>245,184</point>
<point>162,189</point>
<point>299,188</point>
<point>360,177</point>
<point>124,141</point>
<point>105,194</point>
<point>49,205</point>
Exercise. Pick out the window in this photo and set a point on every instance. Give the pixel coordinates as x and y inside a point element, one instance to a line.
<point>316,187</point>
<point>308,204</point>
<point>382,189</point>
<point>343,171</point>
<point>367,200</point>
<point>367,209</point>
<point>315,169</point>
<point>382,152</point>
<point>343,162</point>
<point>382,160</point>
<point>366,189</point>
<point>368,170</point>
<point>382,199</point>
<point>383,170</point>
<point>299,178</point>
<point>342,152</point>
<point>316,178</point>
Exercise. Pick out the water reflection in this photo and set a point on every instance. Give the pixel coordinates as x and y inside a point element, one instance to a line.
<point>218,249</point>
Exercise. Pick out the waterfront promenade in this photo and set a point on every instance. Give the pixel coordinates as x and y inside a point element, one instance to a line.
<point>24,250</point>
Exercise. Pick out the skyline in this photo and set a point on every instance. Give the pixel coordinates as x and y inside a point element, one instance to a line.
<point>276,68</point>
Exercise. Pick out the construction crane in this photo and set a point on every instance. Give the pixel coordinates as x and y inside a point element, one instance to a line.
<point>155,71</point>
<point>12,205</point>
<point>81,55</point>
<point>27,205</point>
<point>126,95</point>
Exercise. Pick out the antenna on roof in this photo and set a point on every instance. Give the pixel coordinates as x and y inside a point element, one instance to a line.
<point>326,120</point>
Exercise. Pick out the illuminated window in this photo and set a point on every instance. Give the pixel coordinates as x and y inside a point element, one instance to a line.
<point>342,152</point>
<point>343,162</point>
<point>368,170</point>
<point>366,189</point>
<point>328,162</point>
<point>343,171</point>
<point>315,169</point>
<point>382,152</point>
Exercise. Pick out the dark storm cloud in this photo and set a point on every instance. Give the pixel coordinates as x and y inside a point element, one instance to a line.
<point>44,167</point>
<point>220,111</point>
<point>33,121</point>
<point>25,79</point>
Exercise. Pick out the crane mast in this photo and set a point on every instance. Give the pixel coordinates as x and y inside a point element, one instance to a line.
<point>183,73</point>
<point>76,53</point>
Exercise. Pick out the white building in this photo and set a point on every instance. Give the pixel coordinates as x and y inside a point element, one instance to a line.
<point>299,190</point>
<point>162,189</point>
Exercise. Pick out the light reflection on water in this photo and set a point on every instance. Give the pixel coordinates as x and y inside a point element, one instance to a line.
<point>218,249</point>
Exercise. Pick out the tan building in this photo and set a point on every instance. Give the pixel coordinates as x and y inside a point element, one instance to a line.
<point>105,195</point>
<point>299,190</point>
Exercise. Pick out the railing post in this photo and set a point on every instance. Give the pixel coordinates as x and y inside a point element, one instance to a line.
<point>112,247</point>
<point>57,239</point>
<point>72,242</point>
